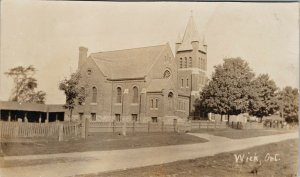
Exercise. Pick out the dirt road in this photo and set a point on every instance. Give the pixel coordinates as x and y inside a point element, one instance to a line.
<point>100,161</point>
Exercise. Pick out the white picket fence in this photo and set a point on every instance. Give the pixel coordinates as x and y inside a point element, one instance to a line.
<point>31,130</point>
<point>136,127</point>
<point>200,124</point>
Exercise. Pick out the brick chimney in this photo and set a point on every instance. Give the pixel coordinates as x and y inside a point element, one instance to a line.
<point>82,56</point>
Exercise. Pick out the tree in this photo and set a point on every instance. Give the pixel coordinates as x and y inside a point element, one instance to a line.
<point>25,85</point>
<point>228,91</point>
<point>288,103</point>
<point>73,92</point>
<point>263,97</point>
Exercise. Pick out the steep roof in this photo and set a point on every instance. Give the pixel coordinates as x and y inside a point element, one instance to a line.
<point>191,34</point>
<point>128,63</point>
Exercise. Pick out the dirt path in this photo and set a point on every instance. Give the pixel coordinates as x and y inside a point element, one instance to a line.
<point>100,161</point>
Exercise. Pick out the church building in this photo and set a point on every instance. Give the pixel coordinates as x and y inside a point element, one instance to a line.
<point>144,84</point>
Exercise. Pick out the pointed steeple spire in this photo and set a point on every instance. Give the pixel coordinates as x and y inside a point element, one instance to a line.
<point>191,34</point>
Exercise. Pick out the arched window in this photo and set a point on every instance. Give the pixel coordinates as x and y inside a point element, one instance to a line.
<point>81,97</point>
<point>190,62</point>
<point>152,103</point>
<point>167,74</point>
<point>135,95</point>
<point>94,95</point>
<point>119,95</point>
<point>170,95</point>
<point>180,63</point>
<point>185,62</point>
<point>187,82</point>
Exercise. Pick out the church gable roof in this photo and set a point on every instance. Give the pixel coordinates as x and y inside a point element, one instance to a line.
<point>128,63</point>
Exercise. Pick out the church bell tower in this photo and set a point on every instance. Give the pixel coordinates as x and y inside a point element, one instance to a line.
<point>191,58</point>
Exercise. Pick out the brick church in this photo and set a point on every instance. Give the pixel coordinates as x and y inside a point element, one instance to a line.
<point>144,84</point>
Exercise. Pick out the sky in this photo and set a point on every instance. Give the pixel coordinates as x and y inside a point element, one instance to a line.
<point>47,35</point>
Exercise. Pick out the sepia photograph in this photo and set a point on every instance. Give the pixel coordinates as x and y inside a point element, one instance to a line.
<point>149,89</point>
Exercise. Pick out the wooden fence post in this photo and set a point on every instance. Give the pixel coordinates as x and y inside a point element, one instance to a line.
<point>113,126</point>
<point>133,125</point>
<point>174,122</point>
<point>16,130</point>
<point>87,126</point>
<point>1,129</point>
<point>61,132</point>
<point>83,128</point>
<point>124,128</point>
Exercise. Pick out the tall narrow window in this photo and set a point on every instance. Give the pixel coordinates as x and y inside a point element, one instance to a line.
<point>135,95</point>
<point>190,62</point>
<point>119,95</point>
<point>181,82</point>
<point>93,116</point>
<point>118,117</point>
<point>152,103</point>
<point>134,117</point>
<point>94,95</point>
<point>187,82</point>
<point>81,115</point>
<point>156,103</point>
<point>154,119</point>
<point>180,63</point>
<point>185,62</point>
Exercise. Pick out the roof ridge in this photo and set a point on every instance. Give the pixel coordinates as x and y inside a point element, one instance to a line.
<point>130,48</point>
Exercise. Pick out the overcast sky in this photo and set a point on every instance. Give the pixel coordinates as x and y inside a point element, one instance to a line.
<point>48,34</point>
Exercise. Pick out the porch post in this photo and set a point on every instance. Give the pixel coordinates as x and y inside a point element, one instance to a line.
<point>40,118</point>
<point>9,117</point>
<point>47,118</point>
<point>25,118</point>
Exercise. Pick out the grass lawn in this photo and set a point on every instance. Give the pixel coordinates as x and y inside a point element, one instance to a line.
<point>244,133</point>
<point>223,165</point>
<point>97,142</point>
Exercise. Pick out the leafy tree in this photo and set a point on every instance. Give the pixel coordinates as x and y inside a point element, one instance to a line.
<point>263,97</point>
<point>228,91</point>
<point>288,102</point>
<point>25,85</point>
<point>73,92</point>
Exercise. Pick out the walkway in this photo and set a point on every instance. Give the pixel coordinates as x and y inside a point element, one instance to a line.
<point>101,161</point>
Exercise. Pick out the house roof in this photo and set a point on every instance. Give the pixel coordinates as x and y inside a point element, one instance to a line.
<point>191,34</point>
<point>12,105</point>
<point>128,63</point>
